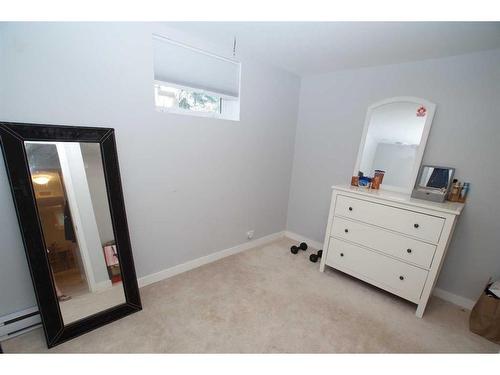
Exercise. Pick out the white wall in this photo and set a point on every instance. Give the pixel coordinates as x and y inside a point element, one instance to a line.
<point>192,185</point>
<point>465,134</point>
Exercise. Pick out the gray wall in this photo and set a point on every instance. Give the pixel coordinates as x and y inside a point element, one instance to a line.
<point>16,290</point>
<point>465,134</point>
<point>192,185</point>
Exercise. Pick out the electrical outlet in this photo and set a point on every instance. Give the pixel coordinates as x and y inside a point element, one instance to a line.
<point>250,234</point>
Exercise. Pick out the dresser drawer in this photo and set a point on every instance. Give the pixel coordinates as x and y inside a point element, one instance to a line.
<point>405,248</point>
<point>397,277</point>
<point>425,227</point>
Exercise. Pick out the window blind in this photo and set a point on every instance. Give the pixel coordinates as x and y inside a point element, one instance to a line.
<point>186,66</point>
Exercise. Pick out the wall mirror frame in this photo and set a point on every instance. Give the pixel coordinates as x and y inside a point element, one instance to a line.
<point>418,152</point>
<point>13,140</point>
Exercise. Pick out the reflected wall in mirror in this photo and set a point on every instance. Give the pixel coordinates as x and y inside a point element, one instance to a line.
<point>67,191</point>
<point>71,197</point>
<point>394,140</point>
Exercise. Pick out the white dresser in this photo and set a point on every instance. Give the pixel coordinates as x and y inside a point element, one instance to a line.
<point>390,240</point>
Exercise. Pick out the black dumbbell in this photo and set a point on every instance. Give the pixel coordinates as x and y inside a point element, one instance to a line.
<point>314,257</point>
<point>295,249</point>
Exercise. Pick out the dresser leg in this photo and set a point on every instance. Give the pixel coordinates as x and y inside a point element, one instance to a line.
<point>420,309</point>
<point>322,262</point>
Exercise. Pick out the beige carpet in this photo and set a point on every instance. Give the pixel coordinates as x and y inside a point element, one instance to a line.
<point>268,300</point>
<point>86,304</point>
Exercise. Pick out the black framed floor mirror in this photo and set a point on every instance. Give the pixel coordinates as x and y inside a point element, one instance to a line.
<point>67,191</point>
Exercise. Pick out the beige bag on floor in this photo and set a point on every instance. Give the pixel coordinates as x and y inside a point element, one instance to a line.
<point>485,317</point>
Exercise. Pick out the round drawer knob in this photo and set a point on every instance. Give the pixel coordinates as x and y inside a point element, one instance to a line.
<point>408,251</point>
<point>350,208</point>
<point>401,277</point>
<point>416,225</point>
<point>341,254</point>
<point>346,230</point>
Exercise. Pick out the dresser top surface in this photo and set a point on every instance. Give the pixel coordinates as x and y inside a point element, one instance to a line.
<point>454,208</point>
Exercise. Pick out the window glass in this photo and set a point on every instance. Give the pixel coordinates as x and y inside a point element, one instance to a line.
<point>184,99</point>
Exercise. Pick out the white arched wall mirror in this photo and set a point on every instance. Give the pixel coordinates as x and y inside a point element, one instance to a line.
<point>394,139</point>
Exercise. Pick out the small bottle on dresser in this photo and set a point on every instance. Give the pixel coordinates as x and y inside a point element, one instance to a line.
<point>454,192</point>
<point>463,192</point>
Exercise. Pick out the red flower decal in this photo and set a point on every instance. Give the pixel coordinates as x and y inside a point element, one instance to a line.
<point>421,111</point>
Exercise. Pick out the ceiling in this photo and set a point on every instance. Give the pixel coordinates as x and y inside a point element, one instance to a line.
<point>307,48</point>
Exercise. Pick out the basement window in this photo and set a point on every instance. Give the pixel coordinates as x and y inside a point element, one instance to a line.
<point>193,82</point>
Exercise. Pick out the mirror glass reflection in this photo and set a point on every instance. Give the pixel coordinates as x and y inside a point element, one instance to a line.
<point>436,178</point>
<point>72,202</point>
<point>392,140</point>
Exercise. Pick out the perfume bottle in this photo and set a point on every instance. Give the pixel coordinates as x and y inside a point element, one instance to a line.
<point>455,191</point>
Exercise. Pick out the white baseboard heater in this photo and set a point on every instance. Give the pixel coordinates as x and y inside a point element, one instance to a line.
<point>20,322</point>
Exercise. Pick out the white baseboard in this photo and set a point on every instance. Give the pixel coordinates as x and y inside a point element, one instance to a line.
<point>299,238</point>
<point>454,298</point>
<point>195,263</point>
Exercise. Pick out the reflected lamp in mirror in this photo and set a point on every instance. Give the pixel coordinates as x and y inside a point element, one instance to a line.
<point>393,141</point>
<point>433,183</point>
